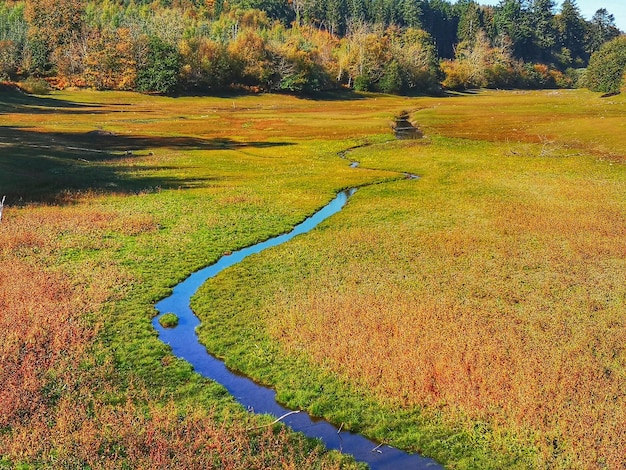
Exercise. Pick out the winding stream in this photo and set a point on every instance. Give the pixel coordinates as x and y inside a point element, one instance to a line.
<point>256,398</point>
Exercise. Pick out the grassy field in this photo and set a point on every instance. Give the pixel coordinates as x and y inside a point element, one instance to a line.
<point>475,314</point>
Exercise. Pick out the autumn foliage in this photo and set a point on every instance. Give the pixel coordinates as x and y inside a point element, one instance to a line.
<point>295,47</point>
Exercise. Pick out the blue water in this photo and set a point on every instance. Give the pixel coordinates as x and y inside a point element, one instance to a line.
<point>256,398</point>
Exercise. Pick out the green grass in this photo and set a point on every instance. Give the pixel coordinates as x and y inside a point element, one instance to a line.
<point>169,320</point>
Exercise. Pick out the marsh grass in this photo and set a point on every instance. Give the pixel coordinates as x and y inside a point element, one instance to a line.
<point>490,291</point>
<point>169,320</point>
<point>475,314</point>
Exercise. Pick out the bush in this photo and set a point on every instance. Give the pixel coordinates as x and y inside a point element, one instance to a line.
<point>605,72</point>
<point>35,86</point>
<point>362,83</point>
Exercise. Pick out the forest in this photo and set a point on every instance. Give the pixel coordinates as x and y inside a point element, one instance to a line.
<point>303,46</point>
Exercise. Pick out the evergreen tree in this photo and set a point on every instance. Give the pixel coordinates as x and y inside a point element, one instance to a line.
<point>440,22</point>
<point>336,15</point>
<point>378,12</point>
<point>411,13</point>
<point>572,29</point>
<point>601,29</point>
<point>513,23</point>
<point>470,20</point>
<point>357,10</point>
<point>544,39</point>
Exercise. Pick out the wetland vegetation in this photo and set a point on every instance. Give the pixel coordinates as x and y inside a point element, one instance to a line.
<point>475,315</point>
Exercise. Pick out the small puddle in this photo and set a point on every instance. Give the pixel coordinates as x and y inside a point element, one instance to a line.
<point>256,398</point>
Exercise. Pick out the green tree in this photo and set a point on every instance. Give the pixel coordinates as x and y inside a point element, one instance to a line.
<point>160,68</point>
<point>544,28</point>
<point>601,29</point>
<point>606,69</point>
<point>470,20</point>
<point>513,24</point>
<point>357,10</point>
<point>391,81</point>
<point>411,13</point>
<point>336,16</point>
<point>572,30</point>
<point>439,20</point>
<point>13,29</point>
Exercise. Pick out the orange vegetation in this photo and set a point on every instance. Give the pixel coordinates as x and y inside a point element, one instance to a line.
<point>53,405</point>
<point>513,315</point>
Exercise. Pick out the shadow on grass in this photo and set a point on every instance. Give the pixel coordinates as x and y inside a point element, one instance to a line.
<point>334,95</point>
<point>468,92</point>
<point>14,101</point>
<point>39,166</point>
<point>343,94</point>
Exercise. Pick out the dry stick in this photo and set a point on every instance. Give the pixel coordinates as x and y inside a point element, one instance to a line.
<point>2,206</point>
<point>275,421</point>
<point>375,449</point>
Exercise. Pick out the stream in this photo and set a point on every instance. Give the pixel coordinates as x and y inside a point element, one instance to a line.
<point>257,398</point>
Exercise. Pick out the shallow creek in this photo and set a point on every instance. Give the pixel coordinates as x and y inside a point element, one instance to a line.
<point>256,398</point>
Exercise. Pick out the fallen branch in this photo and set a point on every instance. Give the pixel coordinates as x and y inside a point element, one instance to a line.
<point>275,421</point>
<point>377,448</point>
<point>2,206</point>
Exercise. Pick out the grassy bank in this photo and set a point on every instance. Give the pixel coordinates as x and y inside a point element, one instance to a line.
<point>475,314</point>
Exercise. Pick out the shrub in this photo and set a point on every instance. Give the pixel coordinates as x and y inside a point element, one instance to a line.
<point>362,83</point>
<point>35,86</point>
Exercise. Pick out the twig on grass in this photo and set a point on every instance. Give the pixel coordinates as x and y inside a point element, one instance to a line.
<point>275,421</point>
<point>2,206</point>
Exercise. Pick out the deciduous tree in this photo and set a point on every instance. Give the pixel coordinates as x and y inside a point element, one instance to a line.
<point>160,68</point>
<point>607,67</point>
<point>54,24</point>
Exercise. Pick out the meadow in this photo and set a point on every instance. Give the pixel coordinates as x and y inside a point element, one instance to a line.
<point>475,314</point>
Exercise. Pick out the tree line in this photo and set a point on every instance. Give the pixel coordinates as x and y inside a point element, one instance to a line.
<point>392,46</point>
